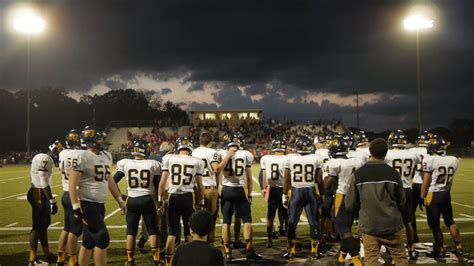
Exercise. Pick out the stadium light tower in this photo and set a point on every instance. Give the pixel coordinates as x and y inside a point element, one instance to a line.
<point>28,23</point>
<point>418,23</point>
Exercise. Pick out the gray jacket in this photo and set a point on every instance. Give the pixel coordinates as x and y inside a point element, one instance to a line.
<point>376,194</point>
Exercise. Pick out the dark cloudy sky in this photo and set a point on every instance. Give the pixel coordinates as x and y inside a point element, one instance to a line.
<point>294,59</point>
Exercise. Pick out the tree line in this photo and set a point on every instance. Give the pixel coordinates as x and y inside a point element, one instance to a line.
<point>54,113</point>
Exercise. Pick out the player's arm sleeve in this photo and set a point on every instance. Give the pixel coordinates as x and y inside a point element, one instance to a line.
<point>165,165</point>
<point>333,168</point>
<point>248,160</point>
<point>200,167</point>
<point>262,163</point>
<point>78,162</point>
<point>428,165</point>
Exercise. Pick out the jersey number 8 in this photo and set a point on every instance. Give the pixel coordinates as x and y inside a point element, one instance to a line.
<point>181,174</point>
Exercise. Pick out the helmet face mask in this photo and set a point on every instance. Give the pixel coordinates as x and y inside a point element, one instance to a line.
<point>424,138</point>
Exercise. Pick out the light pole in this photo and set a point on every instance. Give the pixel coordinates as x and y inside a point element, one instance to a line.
<point>418,23</point>
<point>357,107</point>
<point>27,22</point>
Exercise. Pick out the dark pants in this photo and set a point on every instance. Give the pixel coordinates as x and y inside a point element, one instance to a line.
<point>71,224</point>
<point>233,198</point>
<point>40,209</point>
<point>138,207</point>
<point>275,203</point>
<point>437,204</point>
<point>95,231</point>
<point>180,207</point>
<point>303,198</point>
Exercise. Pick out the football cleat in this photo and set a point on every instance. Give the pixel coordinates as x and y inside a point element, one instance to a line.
<point>289,255</point>
<point>269,243</point>
<point>413,254</point>
<point>51,258</point>
<point>253,256</point>
<point>228,257</point>
<point>238,244</point>
<point>130,263</point>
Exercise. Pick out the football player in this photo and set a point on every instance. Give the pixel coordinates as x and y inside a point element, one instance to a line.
<point>209,179</point>
<point>42,202</point>
<point>142,177</point>
<point>438,173</point>
<point>327,225</point>
<point>235,166</point>
<point>340,170</point>
<point>72,227</point>
<point>302,171</point>
<point>273,175</point>
<point>185,173</point>
<point>356,140</point>
<point>89,182</point>
<point>404,162</point>
<point>421,151</point>
<point>238,220</point>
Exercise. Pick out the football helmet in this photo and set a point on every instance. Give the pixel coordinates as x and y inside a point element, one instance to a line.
<point>303,145</point>
<point>437,144</point>
<point>279,144</point>
<point>331,136</point>
<point>73,139</point>
<point>184,143</point>
<point>232,139</point>
<point>398,138</point>
<point>424,138</point>
<point>338,146</point>
<point>360,138</point>
<point>140,148</point>
<point>90,137</point>
<point>55,149</point>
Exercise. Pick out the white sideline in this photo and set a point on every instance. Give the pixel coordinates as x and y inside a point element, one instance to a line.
<point>111,214</point>
<point>217,225</point>
<point>56,223</point>
<point>464,205</point>
<point>123,240</point>
<point>15,178</point>
<point>21,194</point>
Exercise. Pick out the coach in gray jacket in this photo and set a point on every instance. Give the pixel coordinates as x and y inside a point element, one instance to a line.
<point>376,194</point>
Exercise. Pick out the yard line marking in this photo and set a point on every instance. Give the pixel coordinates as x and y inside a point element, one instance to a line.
<point>465,215</point>
<point>23,194</point>
<point>217,225</point>
<point>10,225</point>
<point>8,172</point>
<point>465,180</point>
<point>112,213</point>
<point>56,223</point>
<point>424,216</point>
<point>263,220</point>
<point>15,178</point>
<point>464,205</point>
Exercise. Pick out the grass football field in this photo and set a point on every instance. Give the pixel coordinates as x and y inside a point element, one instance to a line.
<point>15,219</point>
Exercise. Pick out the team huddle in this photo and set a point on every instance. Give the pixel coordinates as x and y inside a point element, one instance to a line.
<point>314,175</point>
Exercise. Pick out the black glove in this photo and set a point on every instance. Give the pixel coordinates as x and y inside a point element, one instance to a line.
<point>77,213</point>
<point>421,204</point>
<point>54,208</point>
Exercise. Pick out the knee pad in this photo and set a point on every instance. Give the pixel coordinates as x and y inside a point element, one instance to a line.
<point>102,239</point>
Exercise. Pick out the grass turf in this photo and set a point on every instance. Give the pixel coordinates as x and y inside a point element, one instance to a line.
<point>15,217</point>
